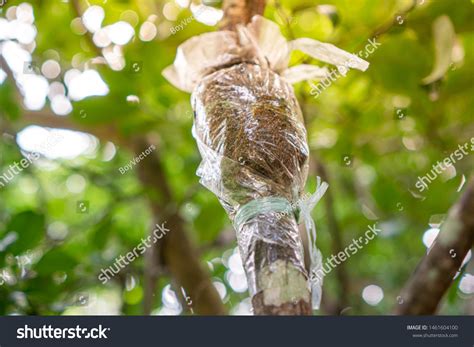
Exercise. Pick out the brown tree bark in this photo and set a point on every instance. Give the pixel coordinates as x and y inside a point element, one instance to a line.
<point>434,274</point>
<point>179,252</point>
<point>175,251</point>
<point>282,287</point>
<point>240,12</point>
<point>337,242</point>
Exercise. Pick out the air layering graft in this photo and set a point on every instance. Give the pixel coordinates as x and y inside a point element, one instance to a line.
<point>250,133</point>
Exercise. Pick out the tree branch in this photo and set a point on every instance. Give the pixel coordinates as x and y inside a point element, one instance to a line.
<point>76,7</point>
<point>279,283</point>
<point>337,243</point>
<point>175,250</point>
<point>47,119</point>
<point>435,273</point>
<point>240,12</point>
<point>178,250</point>
<point>394,22</point>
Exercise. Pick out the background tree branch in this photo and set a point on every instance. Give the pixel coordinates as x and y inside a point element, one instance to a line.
<point>77,10</point>
<point>434,274</point>
<point>179,253</point>
<point>47,119</point>
<point>175,250</point>
<point>336,238</point>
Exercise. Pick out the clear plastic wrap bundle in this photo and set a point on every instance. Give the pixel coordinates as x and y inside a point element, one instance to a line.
<point>251,135</point>
<point>252,139</point>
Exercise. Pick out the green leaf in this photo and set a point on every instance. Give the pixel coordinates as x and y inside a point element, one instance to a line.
<point>210,221</point>
<point>444,37</point>
<point>8,105</point>
<point>102,232</point>
<point>30,227</point>
<point>54,261</point>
